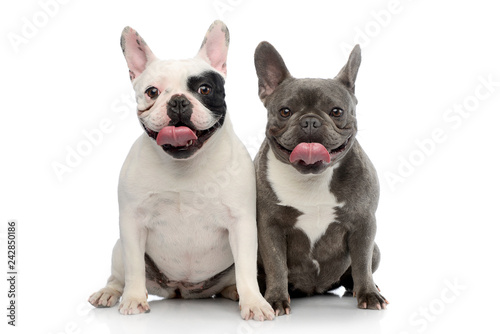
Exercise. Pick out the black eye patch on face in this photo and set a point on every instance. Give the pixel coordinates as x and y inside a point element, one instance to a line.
<point>208,88</point>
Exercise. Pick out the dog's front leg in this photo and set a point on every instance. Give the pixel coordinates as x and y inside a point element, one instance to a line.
<point>133,240</point>
<point>361,244</point>
<point>272,248</point>
<point>243,241</point>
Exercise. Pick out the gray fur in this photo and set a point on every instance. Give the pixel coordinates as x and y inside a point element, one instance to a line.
<point>346,253</point>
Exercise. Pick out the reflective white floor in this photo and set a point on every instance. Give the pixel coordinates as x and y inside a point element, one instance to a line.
<point>445,311</point>
<point>222,316</point>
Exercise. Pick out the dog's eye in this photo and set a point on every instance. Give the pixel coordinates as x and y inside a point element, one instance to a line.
<point>336,112</point>
<point>152,92</point>
<point>285,112</point>
<point>204,90</point>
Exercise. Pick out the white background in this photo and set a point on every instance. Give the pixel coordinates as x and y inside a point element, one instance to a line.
<point>438,223</point>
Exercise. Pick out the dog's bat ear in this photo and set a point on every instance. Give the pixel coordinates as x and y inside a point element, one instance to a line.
<point>136,52</point>
<point>215,45</point>
<point>271,69</point>
<point>348,73</point>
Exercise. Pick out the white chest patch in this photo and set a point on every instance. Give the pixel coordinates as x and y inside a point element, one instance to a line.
<point>308,193</point>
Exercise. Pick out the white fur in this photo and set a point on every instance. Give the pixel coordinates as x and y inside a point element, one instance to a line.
<point>186,210</point>
<point>308,193</point>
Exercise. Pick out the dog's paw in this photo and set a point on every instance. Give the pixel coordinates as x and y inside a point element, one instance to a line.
<point>371,300</point>
<point>133,305</point>
<point>256,308</point>
<point>281,307</point>
<point>105,297</point>
<point>279,301</point>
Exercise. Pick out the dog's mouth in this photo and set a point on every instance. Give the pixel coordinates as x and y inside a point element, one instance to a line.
<point>313,153</point>
<point>181,140</point>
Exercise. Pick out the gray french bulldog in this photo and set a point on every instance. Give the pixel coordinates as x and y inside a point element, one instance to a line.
<point>317,191</point>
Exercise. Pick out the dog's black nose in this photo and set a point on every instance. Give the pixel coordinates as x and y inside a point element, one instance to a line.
<point>179,109</point>
<point>179,104</point>
<point>310,124</point>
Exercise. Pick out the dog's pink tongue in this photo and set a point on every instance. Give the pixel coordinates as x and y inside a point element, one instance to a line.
<point>175,136</point>
<point>310,153</point>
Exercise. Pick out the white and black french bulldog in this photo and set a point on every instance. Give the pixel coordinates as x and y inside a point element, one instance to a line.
<point>187,188</point>
<point>317,191</point>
